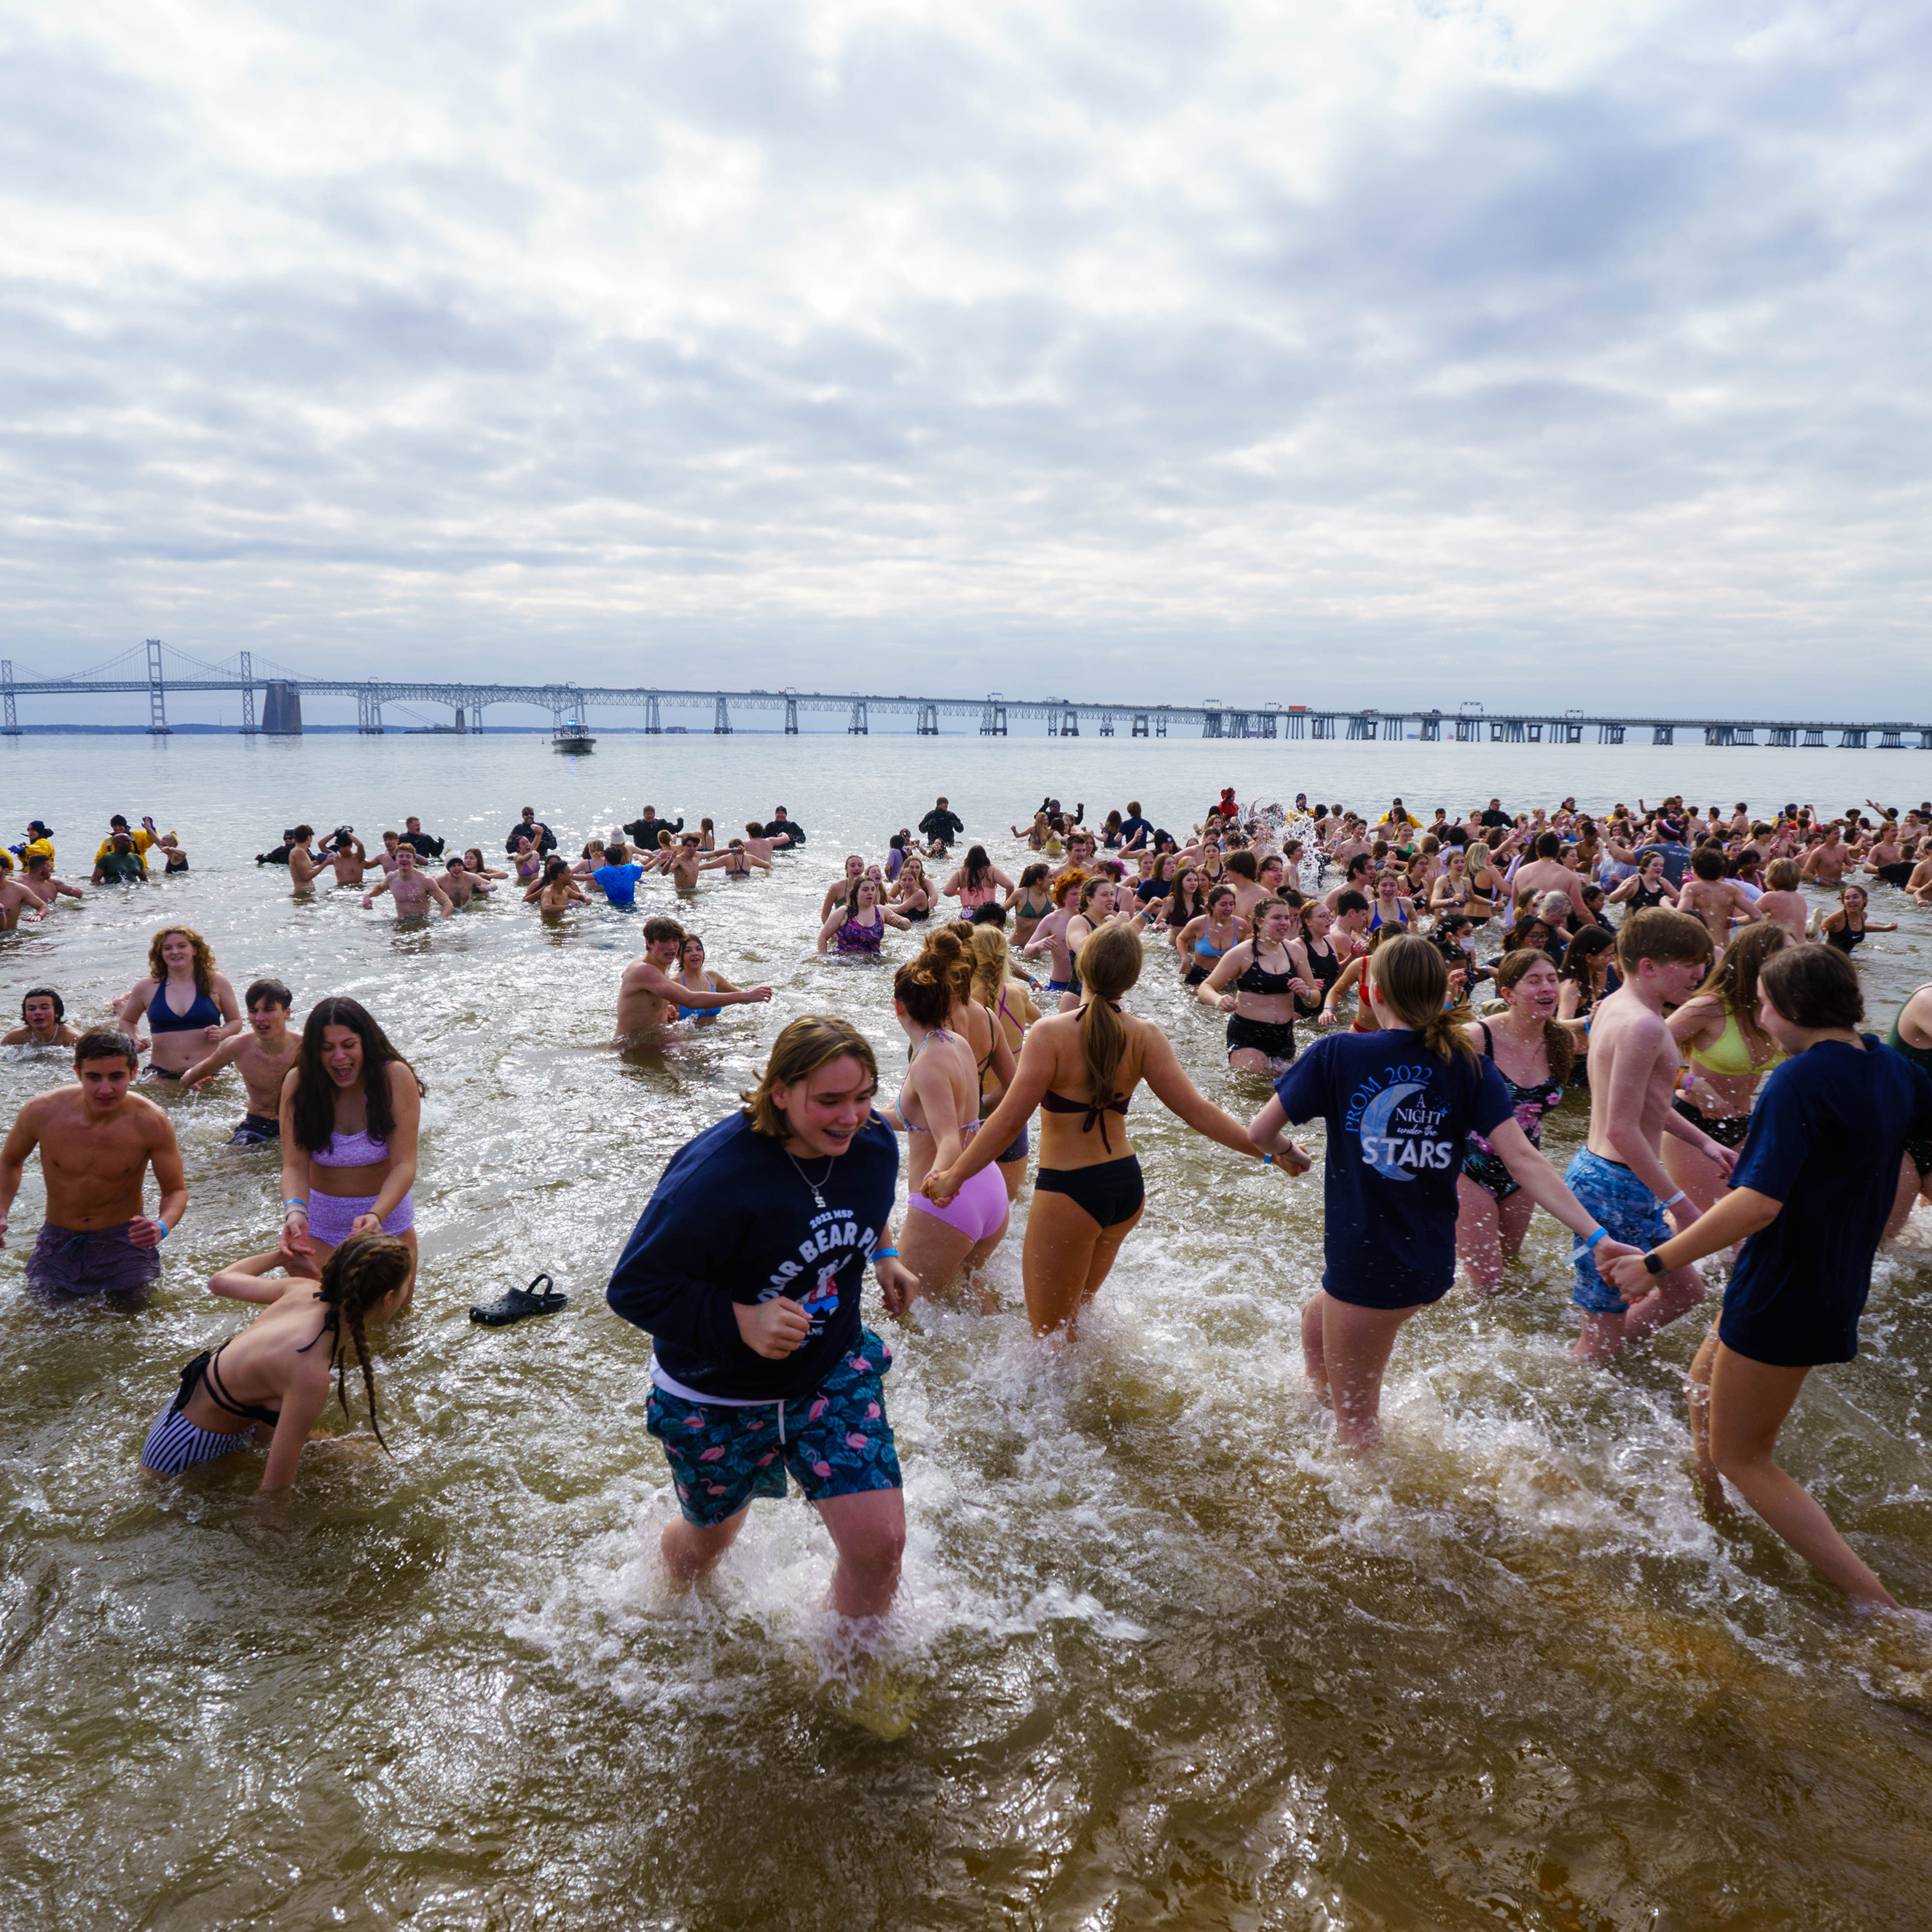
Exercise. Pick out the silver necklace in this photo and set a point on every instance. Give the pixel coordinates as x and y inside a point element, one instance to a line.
<point>817,1198</point>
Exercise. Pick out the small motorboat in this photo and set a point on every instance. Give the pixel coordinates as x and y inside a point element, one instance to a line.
<point>572,735</point>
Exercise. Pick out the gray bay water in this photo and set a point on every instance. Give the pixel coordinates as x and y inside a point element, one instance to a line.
<point>1171,1661</point>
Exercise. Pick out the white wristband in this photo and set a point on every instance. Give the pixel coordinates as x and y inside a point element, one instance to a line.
<point>1679,1195</point>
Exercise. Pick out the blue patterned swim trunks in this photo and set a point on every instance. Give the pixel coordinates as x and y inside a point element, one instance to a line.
<point>835,1440</point>
<point>1624,1206</point>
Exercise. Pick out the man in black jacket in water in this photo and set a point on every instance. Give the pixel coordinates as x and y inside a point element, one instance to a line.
<point>941,826</point>
<point>645,829</point>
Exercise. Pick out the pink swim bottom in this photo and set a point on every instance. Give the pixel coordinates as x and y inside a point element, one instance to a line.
<point>332,1216</point>
<point>977,1210</point>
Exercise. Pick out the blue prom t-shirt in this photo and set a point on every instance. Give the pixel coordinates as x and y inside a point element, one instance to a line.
<point>1397,1117</point>
<point>619,882</point>
<point>1825,1139</point>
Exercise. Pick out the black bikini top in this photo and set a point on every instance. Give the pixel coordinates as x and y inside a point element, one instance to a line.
<point>1255,980</point>
<point>202,1372</point>
<point>1096,1111</point>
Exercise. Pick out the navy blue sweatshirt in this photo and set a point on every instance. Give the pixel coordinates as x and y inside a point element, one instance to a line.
<point>733,1221</point>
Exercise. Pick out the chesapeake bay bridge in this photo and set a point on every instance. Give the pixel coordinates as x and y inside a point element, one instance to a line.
<point>156,669</point>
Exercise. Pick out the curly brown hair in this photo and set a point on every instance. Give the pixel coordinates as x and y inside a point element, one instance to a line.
<point>204,957</point>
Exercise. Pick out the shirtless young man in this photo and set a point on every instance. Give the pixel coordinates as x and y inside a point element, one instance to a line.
<point>96,1141</point>
<point>649,994</point>
<point>349,857</point>
<point>303,864</point>
<point>411,890</point>
<point>1829,861</point>
<point>262,1056</point>
<point>684,862</point>
<point>1547,873</point>
<point>389,858</point>
<point>1620,1175</point>
<point>461,884</point>
<point>41,878</point>
<point>15,895</point>
<point>43,1021</point>
<point>758,848</point>
<point>1709,895</point>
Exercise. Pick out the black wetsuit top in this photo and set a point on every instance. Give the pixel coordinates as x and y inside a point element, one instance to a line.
<point>645,830</point>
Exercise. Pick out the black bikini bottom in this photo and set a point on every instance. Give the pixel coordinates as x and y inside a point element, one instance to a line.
<point>1111,1191</point>
<point>1728,1131</point>
<point>1275,1038</point>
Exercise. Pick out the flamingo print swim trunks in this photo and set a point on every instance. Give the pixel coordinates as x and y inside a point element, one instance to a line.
<point>835,1440</point>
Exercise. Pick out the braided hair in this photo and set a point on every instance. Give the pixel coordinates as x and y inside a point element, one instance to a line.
<point>359,1274</point>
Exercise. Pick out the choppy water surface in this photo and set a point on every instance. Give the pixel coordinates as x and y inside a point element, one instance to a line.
<point>1171,1660</point>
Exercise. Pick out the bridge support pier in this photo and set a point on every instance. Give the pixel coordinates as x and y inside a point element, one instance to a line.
<point>721,720</point>
<point>369,711</point>
<point>1609,734</point>
<point>993,720</point>
<point>860,726</point>
<point>281,715</point>
<point>653,718</point>
<point>1069,723</point>
<point>1160,726</point>
<point>247,664</point>
<point>1851,739</point>
<point>13,726</point>
<point>928,719</point>
<point>1140,723</point>
<point>157,695</point>
<point>1106,723</point>
<point>1890,741</point>
<point>791,715</point>
<point>1432,730</point>
<point>1663,734</point>
<point>1814,735</point>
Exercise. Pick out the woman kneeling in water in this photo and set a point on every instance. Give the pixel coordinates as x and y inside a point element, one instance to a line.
<point>272,1377</point>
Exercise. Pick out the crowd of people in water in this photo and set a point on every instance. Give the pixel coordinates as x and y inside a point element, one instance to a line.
<point>1428,990</point>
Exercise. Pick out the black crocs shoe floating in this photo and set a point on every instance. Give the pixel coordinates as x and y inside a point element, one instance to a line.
<point>520,1302</point>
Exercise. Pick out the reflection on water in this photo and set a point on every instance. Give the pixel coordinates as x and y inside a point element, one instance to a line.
<point>1167,1659</point>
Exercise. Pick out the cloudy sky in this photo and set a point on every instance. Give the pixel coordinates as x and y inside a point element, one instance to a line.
<point>1363,353</point>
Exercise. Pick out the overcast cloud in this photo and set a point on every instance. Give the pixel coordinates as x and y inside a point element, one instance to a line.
<point>1377,352</point>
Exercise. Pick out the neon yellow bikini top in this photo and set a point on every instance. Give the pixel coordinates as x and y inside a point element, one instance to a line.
<point>1730,1054</point>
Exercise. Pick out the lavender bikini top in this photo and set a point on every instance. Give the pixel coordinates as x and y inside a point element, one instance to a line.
<point>352,1150</point>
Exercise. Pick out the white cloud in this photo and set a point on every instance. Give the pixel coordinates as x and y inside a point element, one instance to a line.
<point>1426,351</point>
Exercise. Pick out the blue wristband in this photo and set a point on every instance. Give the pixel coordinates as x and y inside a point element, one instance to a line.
<point>1600,1235</point>
<point>1268,1160</point>
<point>163,1225</point>
<point>885,1254</point>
